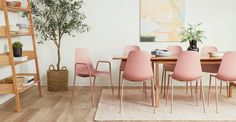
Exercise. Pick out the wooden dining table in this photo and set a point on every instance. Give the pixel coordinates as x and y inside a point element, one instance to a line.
<point>157,60</point>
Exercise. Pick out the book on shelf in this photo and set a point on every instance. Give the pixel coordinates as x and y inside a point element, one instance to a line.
<point>18,59</point>
<point>28,80</point>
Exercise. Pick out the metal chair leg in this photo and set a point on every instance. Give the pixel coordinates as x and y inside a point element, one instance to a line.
<point>162,80</point>
<point>172,95</point>
<point>167,92</point>
<point>92,92</point>
<point>197,93</point>
<point>119,84</point>
<point>216,93</point>
<point>121,97</point>
<point>113,96</point>
<point>73,89</point>
<point>153,96</point>
<point>209,91</point>
<point>203,96</point>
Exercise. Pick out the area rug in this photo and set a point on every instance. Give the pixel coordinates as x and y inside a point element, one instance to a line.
<point>136,107</point>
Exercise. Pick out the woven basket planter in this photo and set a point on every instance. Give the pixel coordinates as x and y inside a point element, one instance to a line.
<point>57,79</point>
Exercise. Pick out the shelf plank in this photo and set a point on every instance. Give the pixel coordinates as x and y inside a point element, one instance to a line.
<point>5,60</point>
<point>16,9</point>
<point>17,35</point>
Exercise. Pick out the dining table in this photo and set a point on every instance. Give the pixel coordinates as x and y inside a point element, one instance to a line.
<point>172,59</point>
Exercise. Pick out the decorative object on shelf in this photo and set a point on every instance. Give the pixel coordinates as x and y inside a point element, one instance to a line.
<point>161,20</point>
<point>53,19</point>
<point>24,4</point>
<point>20,59</point>
<point>23,28</point>
<point>17,49</point>
<point>192,34</point>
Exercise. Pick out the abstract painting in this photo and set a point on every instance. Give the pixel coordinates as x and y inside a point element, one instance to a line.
<point>161,20</point>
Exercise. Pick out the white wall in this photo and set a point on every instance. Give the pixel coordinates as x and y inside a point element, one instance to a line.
<point>115,24</point>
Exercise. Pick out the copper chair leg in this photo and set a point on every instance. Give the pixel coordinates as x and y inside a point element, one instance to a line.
<point>186,87</point>
<point>191,89</point>
<point>92,92</point>
<point>197,93</point>
<point>209,91</point>
<point>73,89</point>
<point>162,81</point>
<point>94,80</point>
<point>172,95</point>
<point>121,97</point>
<point>203,96</point>
<point>153,96</point>
<point>113,96</point>
<point>216,93</point>
<point>165,84</point>
<point>221,87</point>
<point>145,89</point>
<point>119,84</point>
<point>227,88</point>
<point>167,90</point>
<point>200,96</point>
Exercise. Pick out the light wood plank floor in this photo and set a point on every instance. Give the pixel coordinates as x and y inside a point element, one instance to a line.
<point>54,107</point>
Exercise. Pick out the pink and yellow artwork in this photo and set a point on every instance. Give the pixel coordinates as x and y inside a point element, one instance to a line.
<point>161,20</point>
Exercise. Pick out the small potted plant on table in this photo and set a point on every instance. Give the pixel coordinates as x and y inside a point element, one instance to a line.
<point>192,34</point>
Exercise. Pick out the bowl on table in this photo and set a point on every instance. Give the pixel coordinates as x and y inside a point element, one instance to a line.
<point>216,54</point>
<point>161,53</point>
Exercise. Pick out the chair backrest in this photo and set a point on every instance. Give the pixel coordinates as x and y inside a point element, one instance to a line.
<point>175,49</point>
<point>82,56</point>
<point>129,48</point>
<point>188,66</point>
<point>138,66</point>
<point>207,49</point>
<point>227,70</point>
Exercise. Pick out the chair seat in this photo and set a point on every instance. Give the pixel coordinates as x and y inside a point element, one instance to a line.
<point>210,68</point>
<point>94,73</point>
<point>136,79</point>
<point>169,67</point>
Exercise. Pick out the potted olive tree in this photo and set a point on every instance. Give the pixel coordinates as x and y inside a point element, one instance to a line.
<point>192,34</point>
<point>53,19</point>
<point>17,49</point>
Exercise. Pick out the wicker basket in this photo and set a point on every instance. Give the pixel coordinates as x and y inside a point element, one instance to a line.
<point>57,80</point>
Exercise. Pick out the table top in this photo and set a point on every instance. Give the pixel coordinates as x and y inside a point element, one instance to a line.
<point>172,58</point>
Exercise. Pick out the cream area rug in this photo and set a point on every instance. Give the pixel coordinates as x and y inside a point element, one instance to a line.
<point>136,107</point>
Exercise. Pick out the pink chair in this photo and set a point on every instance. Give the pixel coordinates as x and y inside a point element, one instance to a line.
<point>187,69</point>
<point>126,51</point>
<point>138,69</point>
<point>211,68</point>
<point>176,50</point>
<point>226,73</point>
<point>84,68</point>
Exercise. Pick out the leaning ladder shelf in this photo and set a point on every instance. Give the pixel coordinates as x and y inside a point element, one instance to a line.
<point>10,85</point>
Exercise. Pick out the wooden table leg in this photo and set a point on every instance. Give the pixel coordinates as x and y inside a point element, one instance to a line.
<point>230,89</point>
<point>157,85</point>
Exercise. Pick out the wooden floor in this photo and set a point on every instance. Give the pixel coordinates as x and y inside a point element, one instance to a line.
<point>53,107</point>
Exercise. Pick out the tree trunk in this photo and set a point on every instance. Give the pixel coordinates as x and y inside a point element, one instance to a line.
<point>58,58</point>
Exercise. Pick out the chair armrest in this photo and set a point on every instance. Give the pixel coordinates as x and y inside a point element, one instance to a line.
<point>108,62</point>
<point>83,64</point>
